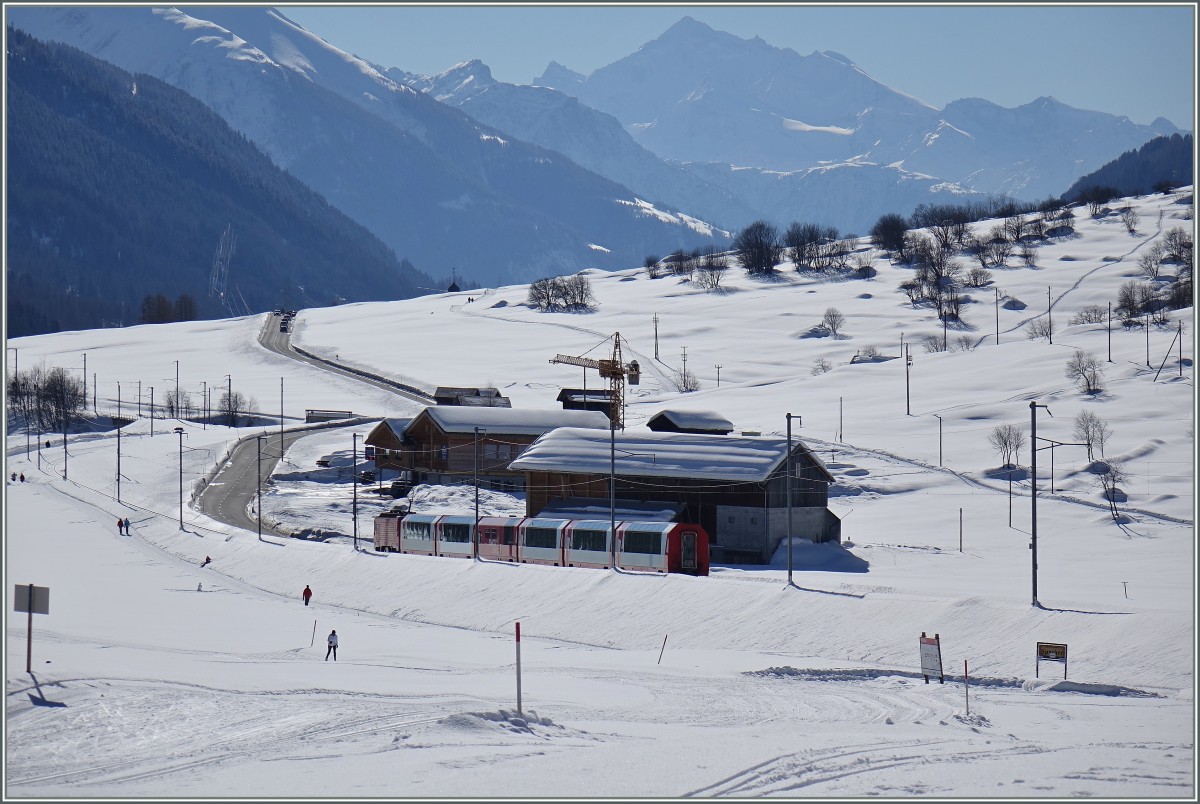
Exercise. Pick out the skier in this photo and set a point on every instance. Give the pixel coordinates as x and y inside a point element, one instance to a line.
<point>207,561</point>
<point>306,594</point>
<point>332,646</point>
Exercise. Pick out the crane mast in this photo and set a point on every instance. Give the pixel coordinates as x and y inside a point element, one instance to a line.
<point>614,370</point>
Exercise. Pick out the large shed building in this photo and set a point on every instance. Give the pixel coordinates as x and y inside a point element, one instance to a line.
<point>439,444</point>
<point>735,487</point>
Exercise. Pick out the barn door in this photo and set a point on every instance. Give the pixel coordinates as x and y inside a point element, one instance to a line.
<point>687,557</point>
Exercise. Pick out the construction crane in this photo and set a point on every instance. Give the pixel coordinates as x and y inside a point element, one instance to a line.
<point>615,371</point>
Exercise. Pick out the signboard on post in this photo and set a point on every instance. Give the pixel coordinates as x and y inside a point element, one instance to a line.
<point>931,657</point>
<point>34,600</point>
<point>1050,652</point>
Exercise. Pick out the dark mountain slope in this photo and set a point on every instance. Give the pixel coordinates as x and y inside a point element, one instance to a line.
<point>119,186</point>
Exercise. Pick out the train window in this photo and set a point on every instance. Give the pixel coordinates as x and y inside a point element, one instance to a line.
<point>455,532</point>
<point>642,542</point>
<point>589,540</point>
<point>541,537</point>
<point>416,530</point>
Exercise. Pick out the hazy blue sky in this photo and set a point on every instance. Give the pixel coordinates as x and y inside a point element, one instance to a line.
<point>1135,60</point>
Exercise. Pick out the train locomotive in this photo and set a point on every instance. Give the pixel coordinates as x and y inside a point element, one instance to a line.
<point>660,547</point>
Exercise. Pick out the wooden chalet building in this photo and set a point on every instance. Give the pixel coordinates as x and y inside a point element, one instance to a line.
<point>438,445</point>
<point>735,487</point>
<point>477,397</point>
<point>690,421</point>
<point>586,399</point>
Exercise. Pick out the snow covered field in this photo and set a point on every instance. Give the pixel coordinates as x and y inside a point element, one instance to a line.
<point>153,677</point>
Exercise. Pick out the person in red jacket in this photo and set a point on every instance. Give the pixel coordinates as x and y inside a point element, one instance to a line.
<point>306,594</point>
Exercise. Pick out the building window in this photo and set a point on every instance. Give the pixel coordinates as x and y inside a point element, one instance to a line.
<point>505,452</point>
<point>445,453</point>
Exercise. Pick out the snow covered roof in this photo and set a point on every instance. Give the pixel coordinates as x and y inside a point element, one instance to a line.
<point>692,420</point>
<point>748,459</point>
<point>454,419</point>
<point>626,510</point>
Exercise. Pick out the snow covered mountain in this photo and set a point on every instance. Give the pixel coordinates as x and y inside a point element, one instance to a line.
<point>435,185</point>
<point>851,200</point>
<point>786,112</point>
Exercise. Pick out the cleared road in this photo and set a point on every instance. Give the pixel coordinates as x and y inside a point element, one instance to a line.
<point>228,497</point>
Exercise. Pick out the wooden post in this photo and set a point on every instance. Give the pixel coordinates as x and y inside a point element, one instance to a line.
<point>967,688</point>
<point>519,712</point>
<point>664,647</point>
<point>313,641</point>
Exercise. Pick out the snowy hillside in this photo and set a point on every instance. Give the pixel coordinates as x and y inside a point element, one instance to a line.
<point>154,677</point>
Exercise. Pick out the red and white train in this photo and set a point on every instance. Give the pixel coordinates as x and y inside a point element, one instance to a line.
<point>640,546</point>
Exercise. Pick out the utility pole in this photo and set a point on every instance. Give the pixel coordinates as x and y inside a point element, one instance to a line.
<point>281,422</point>
<point>229,397</point>
<point>93,391</point>
<point>179,431</point>
<point>907,396</point>
<point>685,363</point>
<point>120,424</point>
<point>939,418</point>
<point>997,315</point>
<point>178,405</point>
<point>945,344</point>
<point>139,399</point>
<point>1146,322</point>
<point>475,530</point>
<point>353,468</point>
<point>1049,315</point>
<point>718,375</point>
<point>612,489</point>
<point>85,379</point>
<point>151,410</point>
<point>1033,406</point>
<point>656,336</point>
<point>789,497</point>
<point>1110,332</point>
<point>259,486</point>
<point>204,402</point>
<point>841,431</point>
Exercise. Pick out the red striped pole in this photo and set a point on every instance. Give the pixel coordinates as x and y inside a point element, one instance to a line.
<point>519,712</point>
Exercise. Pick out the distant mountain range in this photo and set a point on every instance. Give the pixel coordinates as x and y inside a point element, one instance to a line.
<point>120,187</point>
<point>437,186</point>
<point>676,146</point>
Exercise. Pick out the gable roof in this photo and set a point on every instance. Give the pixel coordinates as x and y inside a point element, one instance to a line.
<point>455,419</point>
<point>693,420</point>
<point>389,432</point>
<point>746,459</point>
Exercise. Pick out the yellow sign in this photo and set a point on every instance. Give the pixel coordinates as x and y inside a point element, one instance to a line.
<point>1052,651</point>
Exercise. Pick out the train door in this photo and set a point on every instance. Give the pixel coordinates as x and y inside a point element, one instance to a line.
<point>687,551</point>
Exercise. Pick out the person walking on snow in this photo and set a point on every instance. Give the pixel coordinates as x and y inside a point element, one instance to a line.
<point>120,525</point>
<point>127,526</point>
<point>332,646</point>
<point>306,594</point>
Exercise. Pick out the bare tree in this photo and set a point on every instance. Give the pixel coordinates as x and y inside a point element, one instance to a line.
<point>231,406</point>
<point>1151,262</point>
<point>820,366</point>
<point>1039,328</point>
<point>833,320</point>
<point>1085,369</point>
<point>1110,480</point>
<point>178,404</point>
<point>1090,314</point>
<point>1093,431</point>
<point>686,380</point>
<point>709,278</point>
<point>933,344</point>
<point>1007,439</point>
<point>977,277</point>
<point>1130,218</point>
<point>758,247</point>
